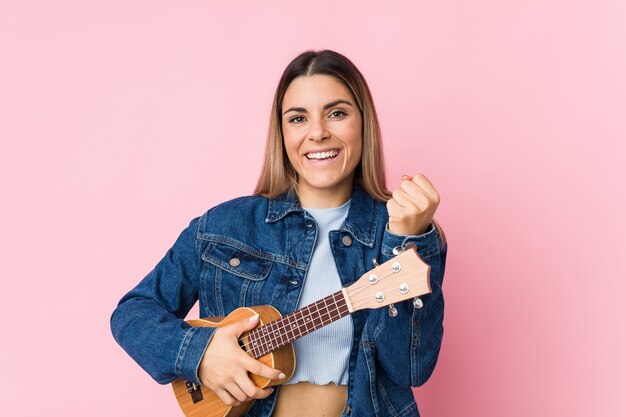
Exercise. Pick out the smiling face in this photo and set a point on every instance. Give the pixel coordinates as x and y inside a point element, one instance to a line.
<point>322,133</point>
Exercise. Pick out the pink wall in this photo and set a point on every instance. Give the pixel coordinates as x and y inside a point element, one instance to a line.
<point>120,121</point>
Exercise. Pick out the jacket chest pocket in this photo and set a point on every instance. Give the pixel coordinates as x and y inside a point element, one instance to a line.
<point>236,278</point>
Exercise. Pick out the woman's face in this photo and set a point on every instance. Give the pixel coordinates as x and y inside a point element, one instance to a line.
<point>322,131</point>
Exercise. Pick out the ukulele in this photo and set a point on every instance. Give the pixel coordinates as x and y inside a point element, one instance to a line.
<point>403,277</point>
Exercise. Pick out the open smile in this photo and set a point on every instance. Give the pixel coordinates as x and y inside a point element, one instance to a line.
<point>322,156</point>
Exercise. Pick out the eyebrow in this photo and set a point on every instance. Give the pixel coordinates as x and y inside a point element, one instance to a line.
<point>326,106</point>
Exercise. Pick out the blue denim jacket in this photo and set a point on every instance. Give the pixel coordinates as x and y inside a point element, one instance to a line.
<point>273,239</point>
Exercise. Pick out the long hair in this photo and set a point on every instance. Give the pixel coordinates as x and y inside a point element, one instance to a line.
<point>278,175</point>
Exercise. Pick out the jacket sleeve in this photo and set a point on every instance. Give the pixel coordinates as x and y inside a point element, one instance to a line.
<point>408,345</point>
<point>148,321</point>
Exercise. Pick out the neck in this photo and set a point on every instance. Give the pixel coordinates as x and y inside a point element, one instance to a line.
<point>281,332</point>
<point>325,198</point>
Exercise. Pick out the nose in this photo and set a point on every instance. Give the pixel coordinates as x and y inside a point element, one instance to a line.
<point>318,130</point>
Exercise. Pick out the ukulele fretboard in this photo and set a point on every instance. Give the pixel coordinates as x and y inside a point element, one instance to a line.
<point>285,330</point>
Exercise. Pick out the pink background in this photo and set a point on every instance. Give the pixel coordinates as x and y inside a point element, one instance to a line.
<point>120,121</point>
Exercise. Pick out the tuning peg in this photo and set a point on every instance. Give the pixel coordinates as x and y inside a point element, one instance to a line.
<point>375,262</point>
<point>417,302</point>
<point>393,311</point>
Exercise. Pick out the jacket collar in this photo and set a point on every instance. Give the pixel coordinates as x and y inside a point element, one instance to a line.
<point>360,222</point>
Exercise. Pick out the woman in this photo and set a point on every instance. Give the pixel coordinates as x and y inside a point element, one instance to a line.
<point>319,215</point>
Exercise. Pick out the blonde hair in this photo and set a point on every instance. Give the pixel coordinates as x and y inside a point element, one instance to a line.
<point>277,175</point>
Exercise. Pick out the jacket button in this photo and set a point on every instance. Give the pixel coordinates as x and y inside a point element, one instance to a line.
<point>347,240</point>
<point>234,262</point>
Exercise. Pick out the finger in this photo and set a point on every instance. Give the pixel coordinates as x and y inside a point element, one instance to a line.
<point>266,392</point>
<point>393,208</point>
<point>397,215</point>
<point>245,325</point>
<point>226,398</point>
<point>402,198</point>
<point>415,192</point>
<point>426,185</point>
<point>235,390</point>
<point>251,390</point>
<point>258,368</point>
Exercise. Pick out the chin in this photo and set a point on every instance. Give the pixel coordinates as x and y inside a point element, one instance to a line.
<point>326,183</point>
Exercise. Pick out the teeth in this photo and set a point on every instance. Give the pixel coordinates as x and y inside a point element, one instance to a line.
<point>322,155</point>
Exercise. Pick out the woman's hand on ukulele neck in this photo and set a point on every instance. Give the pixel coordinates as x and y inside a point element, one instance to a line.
<point>224,367</point>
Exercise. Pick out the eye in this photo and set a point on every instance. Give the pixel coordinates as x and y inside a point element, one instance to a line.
<point>338,114</point>
<point>296,119</point>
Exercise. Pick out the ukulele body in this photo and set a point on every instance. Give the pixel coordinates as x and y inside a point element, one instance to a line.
<point>200,401</point>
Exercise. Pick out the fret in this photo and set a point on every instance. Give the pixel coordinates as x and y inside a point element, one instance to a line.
<point>252,343</point>
<point>321,310</point>
<point>327,316</point>
<point>316,317</point>
<point>307,314</point>
<point>280,329</point>
<point>338,307</point>
<point>344,310</point>
<point>270,333</point>
<point>291,326</point>
<point>269,339</point>
<point>297,316</point>
<point>332,308</point>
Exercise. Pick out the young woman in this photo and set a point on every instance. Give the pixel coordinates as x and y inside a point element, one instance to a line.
<point>319,214</point>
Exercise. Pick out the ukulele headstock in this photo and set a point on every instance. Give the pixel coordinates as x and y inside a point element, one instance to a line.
<point>400,278</point>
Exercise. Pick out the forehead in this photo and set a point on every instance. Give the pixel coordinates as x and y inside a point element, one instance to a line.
<point>315,90</point>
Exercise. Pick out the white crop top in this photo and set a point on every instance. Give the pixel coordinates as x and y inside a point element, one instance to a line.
<point>323,355</point>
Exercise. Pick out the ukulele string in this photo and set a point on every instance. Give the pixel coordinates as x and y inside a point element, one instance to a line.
<point>366,285</point>
<point>366,299</point>
<point>275,340</point>
<point>285,322</point>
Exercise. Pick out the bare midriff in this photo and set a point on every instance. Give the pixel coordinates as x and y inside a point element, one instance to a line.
<point>309,400</point>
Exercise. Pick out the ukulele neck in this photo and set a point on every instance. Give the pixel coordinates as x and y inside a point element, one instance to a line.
<point>285,330</point>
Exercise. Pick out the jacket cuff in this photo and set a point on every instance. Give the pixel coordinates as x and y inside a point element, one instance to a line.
<point>427,243</point>
<point>191,352</point>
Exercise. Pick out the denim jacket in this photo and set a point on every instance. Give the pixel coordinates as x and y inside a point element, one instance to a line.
<point>273,241</point>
